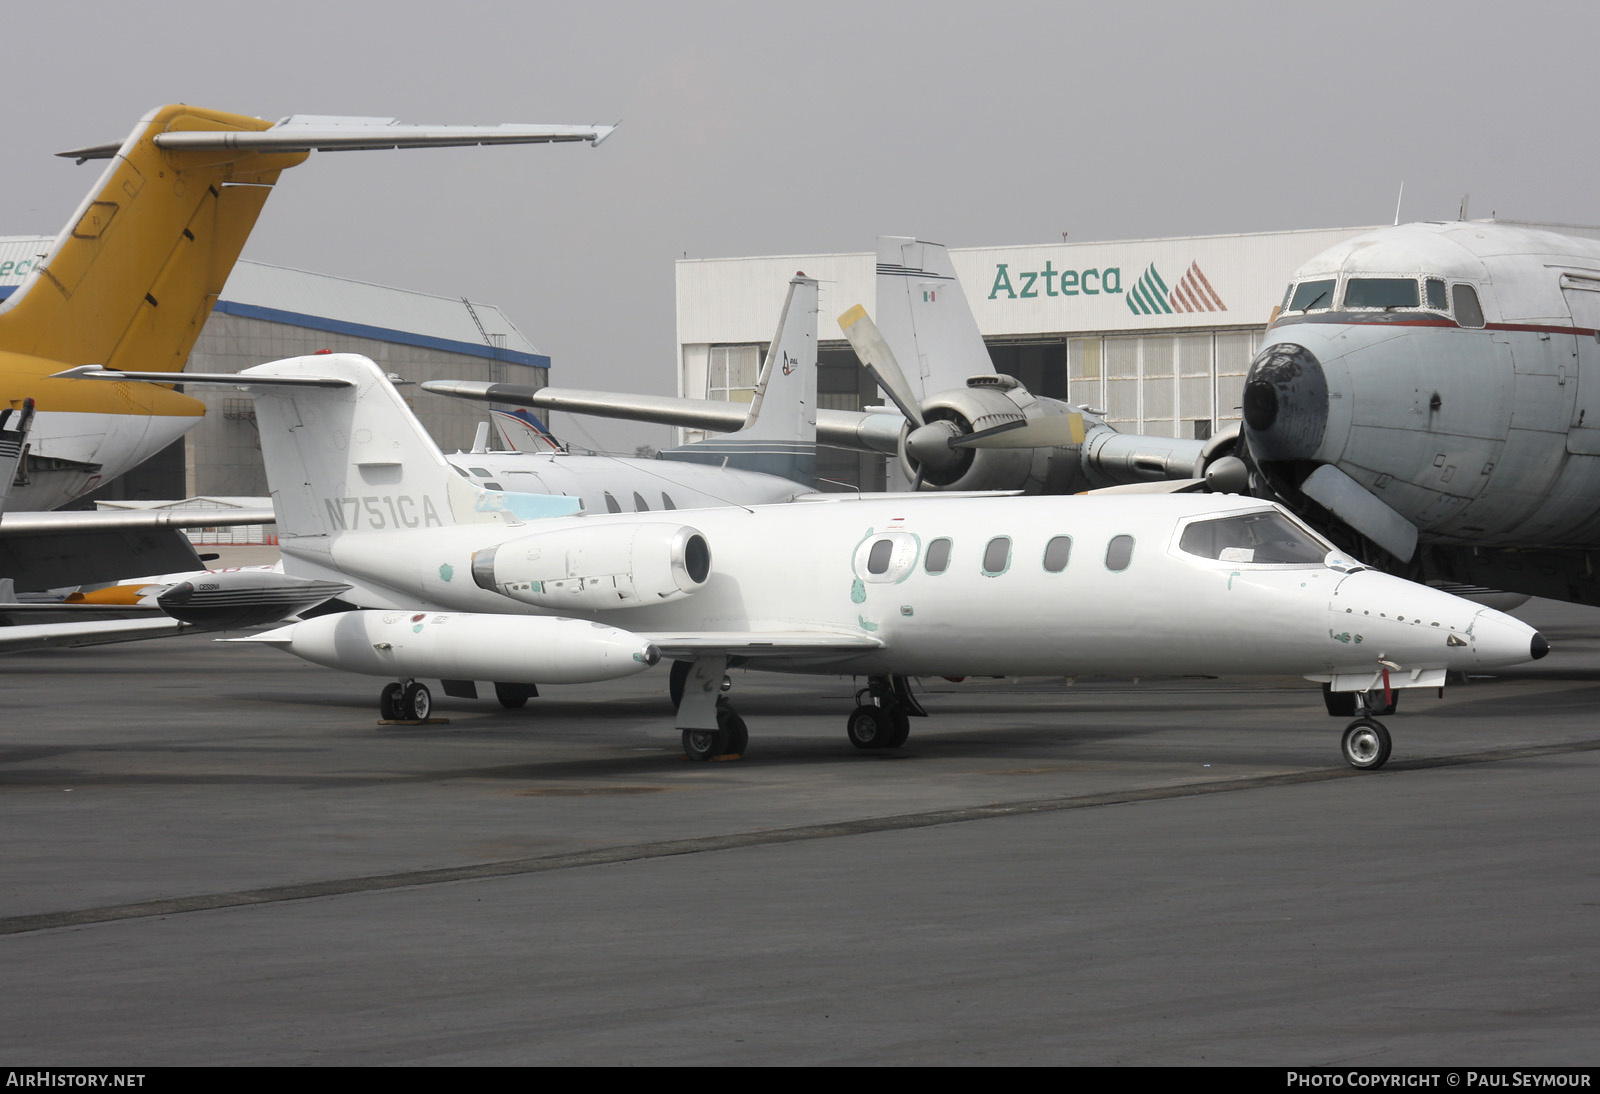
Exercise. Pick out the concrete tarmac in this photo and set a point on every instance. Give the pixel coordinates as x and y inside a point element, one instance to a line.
<point>214,854</point>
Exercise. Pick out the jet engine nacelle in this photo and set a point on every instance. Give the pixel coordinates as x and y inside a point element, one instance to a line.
<point>593,569</point>
<point>456,646</point>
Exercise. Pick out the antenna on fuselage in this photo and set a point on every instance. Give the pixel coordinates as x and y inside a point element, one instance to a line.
<point>1397,202</point>
<point>1461,214</point>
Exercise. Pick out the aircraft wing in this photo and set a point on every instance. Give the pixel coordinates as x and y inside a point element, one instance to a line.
<point>52,550</point>
<point>52,636</point>
<point>838,428</point>
<point>684,646</point>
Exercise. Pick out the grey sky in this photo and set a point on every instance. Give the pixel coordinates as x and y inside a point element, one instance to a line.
<point>767,129</point>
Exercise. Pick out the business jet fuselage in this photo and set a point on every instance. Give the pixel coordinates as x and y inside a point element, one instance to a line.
<point>885,588</point>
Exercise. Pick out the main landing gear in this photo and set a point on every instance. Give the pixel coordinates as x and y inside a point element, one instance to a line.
<point>882,718</point>
<point>1366,744</point>
<point>405,701</point>
<point>713,730</point>
<point>710,727</point>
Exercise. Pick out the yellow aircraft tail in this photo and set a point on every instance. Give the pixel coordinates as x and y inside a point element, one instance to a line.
<point>132,278</point>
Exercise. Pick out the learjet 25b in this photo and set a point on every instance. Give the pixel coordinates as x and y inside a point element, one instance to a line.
<point>465,583</point>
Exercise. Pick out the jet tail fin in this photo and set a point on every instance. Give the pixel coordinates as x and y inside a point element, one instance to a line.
<point>779,435</point>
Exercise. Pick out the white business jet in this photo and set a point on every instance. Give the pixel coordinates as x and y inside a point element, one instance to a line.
<point>464,583</point>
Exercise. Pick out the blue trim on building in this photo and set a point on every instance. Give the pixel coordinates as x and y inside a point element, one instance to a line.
<point>381,334</point>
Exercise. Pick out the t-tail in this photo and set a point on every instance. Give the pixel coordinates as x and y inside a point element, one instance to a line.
<point>345,455</point>
<point>779,435</point>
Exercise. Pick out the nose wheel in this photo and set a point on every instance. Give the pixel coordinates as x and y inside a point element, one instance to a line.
<point>1366,744</point>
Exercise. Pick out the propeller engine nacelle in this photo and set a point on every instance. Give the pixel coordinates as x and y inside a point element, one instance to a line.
<point>594,569</point>
<point>988,402</point>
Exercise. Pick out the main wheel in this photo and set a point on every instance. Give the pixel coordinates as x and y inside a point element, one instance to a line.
<point>1366,744</point>
<point>902,727</point>
<point>389,703</point>
<point>733,729</point>
<point>418,701</point>
<point>870,727</point>
<point>704,744</point>
<point>512,696</point>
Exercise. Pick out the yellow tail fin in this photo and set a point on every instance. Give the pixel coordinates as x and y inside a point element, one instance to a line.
<point>132,278</point>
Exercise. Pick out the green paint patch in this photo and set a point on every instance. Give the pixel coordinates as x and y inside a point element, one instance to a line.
<point>865,625</point>
<point>1345,637</point>
<point>858,591</point>
<point>446,572</point>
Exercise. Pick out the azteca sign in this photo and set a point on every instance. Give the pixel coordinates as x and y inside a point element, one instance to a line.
<point>1150,294</point>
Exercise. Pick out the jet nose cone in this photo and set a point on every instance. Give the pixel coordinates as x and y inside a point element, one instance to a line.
<point>1499,639</point>
<point>1285,403</point>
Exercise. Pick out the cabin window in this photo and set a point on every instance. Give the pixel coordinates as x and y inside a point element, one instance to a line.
<point>1119,552</point>
<point>1436,297</point>
<point>1312,296</point>
<point>1266,538</point>
<point>611,504</point>
<point>997,556</point>
<point>639,505</point>
<point>887,558</point>
<point>666,501</point>
<point>1381,292</point>
<point>878,558</point>
<point>1468,314</point>
<point>938,560</point>
<point>1056,554</point>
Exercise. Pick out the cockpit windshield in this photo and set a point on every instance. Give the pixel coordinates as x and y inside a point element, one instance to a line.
<point>1382,292</point>
<point>1312,296</point>
<point>1265,539</point>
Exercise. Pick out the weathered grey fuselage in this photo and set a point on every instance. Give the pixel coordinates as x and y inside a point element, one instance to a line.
<point>1452,371</point>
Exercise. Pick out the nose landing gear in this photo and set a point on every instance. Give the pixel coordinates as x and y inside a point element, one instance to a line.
<point>1366,744</point>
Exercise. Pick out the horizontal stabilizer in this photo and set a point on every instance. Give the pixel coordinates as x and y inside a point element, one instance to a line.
<point>206,379</point>
<point>318,133</point>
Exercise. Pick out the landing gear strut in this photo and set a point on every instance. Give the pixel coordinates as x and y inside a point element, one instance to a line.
<point>882,718</point>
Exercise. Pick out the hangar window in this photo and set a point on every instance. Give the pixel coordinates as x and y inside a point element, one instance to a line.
<point>1436,297</point>
<point>1119,552</point>
<point>938,560</point>
<point>1312,296</point>
<point>997,556</point>
<point>611,504</point>
<point>639,504</point>
<point>1056,554</point>
<point>1468,313</point>
<point>1265,539</point>
<point>1381,292</point>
